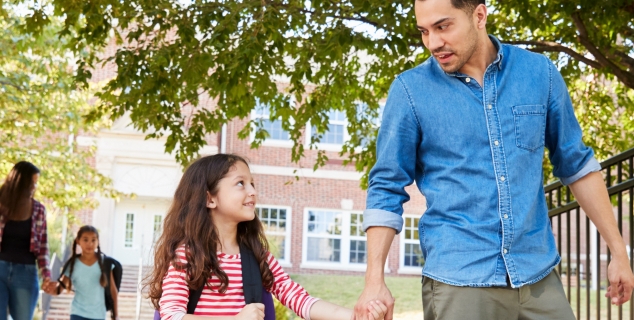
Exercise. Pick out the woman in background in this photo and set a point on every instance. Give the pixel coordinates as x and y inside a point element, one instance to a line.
<point>23,242</point>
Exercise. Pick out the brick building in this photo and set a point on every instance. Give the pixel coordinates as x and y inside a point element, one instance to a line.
<point>314,223</point>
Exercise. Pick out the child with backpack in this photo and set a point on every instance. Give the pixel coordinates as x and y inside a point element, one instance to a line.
<point>211,238</point>
<point>93,276</point>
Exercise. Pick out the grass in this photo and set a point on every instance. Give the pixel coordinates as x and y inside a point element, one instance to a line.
<point>344,290</point>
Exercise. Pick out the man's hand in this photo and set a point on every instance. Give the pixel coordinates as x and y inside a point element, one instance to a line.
<point>371,292</point>
<point>252,311</point>
<point>593,197</point>
<point>621,281</point>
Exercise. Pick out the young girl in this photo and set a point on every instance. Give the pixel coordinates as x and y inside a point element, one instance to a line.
<point>87,276</point>
<point>212,214</point>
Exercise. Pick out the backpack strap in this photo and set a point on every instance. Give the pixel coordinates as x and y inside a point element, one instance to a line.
<point>194,296</point>
<point>251,277</point>
<point>64,268</point>
<point>251,281</point>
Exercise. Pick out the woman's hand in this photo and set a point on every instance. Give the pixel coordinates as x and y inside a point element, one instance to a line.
<point>50,287</point>
<point>253,311</point>
<point>376,310</point>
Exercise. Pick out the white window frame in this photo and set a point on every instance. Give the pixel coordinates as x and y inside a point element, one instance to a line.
<point>286,262</point>
<point>268,142</point>
<point>346,135</point>
<point>402,269</point>
<point>345,238</point>
<point>129,244</point>
<point>155,234</point>
<point>329,146</point>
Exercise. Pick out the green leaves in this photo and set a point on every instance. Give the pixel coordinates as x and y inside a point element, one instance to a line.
<point>41,113</point>
<point>327,55</point>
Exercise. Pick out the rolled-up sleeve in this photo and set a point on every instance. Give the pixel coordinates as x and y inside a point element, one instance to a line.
<point>570,157</point>
<point>396,152</point>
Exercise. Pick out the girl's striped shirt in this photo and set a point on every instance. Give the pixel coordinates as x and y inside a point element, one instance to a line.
<point>173,303</point>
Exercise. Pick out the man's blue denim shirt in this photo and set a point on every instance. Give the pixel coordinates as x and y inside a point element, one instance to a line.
<point>475,152</point>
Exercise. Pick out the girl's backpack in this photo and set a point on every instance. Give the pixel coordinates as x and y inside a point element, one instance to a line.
<point>109,263</point>
<point>254,291</point>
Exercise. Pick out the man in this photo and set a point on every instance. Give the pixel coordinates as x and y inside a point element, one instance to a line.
<point>469,127</point>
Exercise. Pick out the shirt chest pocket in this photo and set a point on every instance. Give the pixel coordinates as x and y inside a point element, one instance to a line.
<point>530,126</point>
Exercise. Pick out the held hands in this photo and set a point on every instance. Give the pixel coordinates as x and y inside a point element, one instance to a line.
<point>621,281</point>
<point>49,286</point>
<point>376,310</point>
<point>252,311</point>
<point>373,293</point>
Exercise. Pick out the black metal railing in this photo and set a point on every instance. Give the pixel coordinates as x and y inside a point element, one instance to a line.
<point>583,267</point>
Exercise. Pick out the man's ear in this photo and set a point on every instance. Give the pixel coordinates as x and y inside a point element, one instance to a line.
<point>480,15</point>
<point>211,201</point>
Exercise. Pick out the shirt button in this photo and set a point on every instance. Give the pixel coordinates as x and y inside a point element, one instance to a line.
<point>502,178</point>
<point>505,251</point>
<point>506,216</point>
<point>496,142</point>
<point>467,80</point>
<point>489,107</point>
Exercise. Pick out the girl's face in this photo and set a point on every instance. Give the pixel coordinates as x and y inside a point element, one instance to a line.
<point>236,196</point>
<point>88,242</point>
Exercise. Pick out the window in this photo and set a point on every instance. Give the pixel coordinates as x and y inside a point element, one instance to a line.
<point>411,253</point>
<point>357,239</point>
<point>276,221</point>
<point>324,241</point>
<point>337,133</point>
<point>261,114</point>
<point>129,230</point>
<point>334,238</point>
<point>158,226</point>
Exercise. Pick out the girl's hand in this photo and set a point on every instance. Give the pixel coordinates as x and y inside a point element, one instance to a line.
<point>376,310</point>
<point>252,311</point>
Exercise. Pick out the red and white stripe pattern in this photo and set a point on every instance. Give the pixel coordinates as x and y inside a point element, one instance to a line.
<point>173,303</point>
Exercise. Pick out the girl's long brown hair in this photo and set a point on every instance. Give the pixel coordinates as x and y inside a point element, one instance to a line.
<point>16,189</point>
<point>189,222</point>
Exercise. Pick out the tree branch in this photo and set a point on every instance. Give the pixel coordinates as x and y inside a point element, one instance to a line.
<point>549,46</point>
<point>627,32</point>
<point>8,83</point>
<point>625,59</point>
<point>624,76</point>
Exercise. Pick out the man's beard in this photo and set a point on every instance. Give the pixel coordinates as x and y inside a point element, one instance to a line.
<point>462,57</point>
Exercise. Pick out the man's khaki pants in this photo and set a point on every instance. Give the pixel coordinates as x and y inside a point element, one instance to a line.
<point>542,300</point>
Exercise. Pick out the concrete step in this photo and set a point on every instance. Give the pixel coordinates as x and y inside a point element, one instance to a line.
<point>127,305</point>
<point>130,277</point>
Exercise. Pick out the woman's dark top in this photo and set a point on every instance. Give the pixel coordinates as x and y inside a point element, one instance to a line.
<point>16,242</point>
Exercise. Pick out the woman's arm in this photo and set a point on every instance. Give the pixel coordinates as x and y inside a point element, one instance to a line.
<point>42,253</point>
<point>115,295</point>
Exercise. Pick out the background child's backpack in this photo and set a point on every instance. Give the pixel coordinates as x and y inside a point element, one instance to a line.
<point>110,263</point>
<point>117,273</point>
<point>254,291</point>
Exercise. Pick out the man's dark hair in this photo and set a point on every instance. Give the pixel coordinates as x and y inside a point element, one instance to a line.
<point>466,5</point>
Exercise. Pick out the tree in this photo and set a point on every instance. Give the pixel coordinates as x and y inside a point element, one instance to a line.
<point>333,54</point>
<point>592,43</point>
<point>41,112</point>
